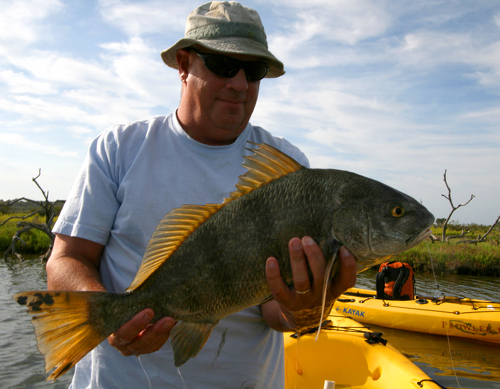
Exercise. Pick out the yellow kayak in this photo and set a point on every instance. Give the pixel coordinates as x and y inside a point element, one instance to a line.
<point>343,355</point>
<point>452,316</point>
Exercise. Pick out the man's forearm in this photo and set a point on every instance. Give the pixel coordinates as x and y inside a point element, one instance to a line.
<point>72,274</point>
<point>73,265</point>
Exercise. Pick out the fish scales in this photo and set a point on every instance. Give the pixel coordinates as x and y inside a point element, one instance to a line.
<point>205,262</point>
<point>245,231</point>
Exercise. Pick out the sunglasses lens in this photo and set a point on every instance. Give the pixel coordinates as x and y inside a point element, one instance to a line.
<point>222,65</point>
<point>228,67</point>
<point>256,71</point>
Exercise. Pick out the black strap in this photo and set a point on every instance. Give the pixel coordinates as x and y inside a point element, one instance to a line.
<point>403,275</point>
<point>419,383</point>
<point>374,337</point>
<point>380,283</point>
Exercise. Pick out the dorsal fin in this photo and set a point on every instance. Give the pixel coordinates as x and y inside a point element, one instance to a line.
<point>264,166</point>
<point>172,230</point>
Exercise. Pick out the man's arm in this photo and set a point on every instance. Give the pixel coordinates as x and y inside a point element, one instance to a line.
<point>74,265</point>
<point>281,313</point>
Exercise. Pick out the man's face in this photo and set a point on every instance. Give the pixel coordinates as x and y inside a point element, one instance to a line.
<point>214,109</point>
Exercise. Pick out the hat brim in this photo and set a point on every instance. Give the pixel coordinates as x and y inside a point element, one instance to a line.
<point>229,45</point>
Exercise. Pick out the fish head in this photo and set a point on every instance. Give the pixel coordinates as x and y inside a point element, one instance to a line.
<point>380,224</point>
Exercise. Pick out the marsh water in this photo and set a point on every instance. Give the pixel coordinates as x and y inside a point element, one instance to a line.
<point>455,363</point>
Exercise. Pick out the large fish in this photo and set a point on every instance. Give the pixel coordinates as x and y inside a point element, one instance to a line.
<point>206,262</point>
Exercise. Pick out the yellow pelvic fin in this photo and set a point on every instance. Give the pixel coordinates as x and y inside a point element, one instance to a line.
<point>264,166</point>
<point>188,339</point>
<point>63,332</point>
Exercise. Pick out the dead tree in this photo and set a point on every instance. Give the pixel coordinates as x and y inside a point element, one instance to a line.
<point>47,208</point>
<point>457,236</point>
<point>480,238</point>
<point>453,208</point>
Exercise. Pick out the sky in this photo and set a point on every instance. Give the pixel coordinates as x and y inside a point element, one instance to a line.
<point>399,91</point>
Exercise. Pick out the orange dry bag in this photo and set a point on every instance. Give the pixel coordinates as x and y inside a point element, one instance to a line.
<point>395,281</point>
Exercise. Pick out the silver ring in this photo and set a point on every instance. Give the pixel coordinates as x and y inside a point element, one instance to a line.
<point>304,292</point>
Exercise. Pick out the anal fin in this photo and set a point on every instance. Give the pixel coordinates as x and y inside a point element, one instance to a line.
<point>188,339</point>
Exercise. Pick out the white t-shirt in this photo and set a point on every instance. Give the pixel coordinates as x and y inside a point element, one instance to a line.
<point>133,175</point>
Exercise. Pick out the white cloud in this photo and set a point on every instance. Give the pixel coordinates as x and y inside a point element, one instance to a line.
<point>41,108</point>
<point>154,16</point>
<point>62,70</point>
<point>19,83</point>
<point>20,21</point>
<point>347,21</point>
<point>21,141</point>
<point>325,32</point>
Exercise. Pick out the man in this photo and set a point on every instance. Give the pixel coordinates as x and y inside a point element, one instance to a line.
<point>134,174</point>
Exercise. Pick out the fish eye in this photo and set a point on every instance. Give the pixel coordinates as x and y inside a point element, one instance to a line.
<point>397,211</point>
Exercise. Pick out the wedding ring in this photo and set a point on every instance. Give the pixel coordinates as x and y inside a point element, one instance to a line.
<point>304,292</point>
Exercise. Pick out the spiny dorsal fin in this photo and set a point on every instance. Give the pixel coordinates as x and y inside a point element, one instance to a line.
<point>265,165</point>
<point>173,229</point>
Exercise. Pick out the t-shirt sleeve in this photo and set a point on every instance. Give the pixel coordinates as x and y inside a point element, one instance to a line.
<point>92,204</point>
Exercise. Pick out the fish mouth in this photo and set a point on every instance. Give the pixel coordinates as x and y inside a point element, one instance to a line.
<point>418,237</point>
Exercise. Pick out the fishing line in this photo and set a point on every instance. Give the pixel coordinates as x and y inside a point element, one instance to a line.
<point>182,378</point>
<point>326,283</point>
<point>436,294</point>
<point>144,370</point>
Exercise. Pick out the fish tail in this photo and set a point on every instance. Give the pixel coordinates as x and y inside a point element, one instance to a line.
<point>67,325</point>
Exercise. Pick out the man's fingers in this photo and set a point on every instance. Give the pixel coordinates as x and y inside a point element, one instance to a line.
<point>315,259</point>
<point>129,331</point>
<point>298,263</point>
<point>346,277</point>
<point>278,287</point>
<point>160,332</point>
<point>151,339</point>
<point>137,336</point>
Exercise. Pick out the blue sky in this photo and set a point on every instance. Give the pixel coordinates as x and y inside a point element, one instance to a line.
<point>395,90</point>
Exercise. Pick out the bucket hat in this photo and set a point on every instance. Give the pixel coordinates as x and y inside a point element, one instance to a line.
<point>226,27</point>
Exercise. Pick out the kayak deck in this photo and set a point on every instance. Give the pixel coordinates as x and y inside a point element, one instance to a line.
<point>452,316</point>
<point>343,355</point>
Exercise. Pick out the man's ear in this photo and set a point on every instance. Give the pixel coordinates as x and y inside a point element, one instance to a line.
<point>183,60</point>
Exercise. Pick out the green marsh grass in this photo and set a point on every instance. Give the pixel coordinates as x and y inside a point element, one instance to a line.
<point>447,258</point>
<point>457,258</point>
<point>37,242</point>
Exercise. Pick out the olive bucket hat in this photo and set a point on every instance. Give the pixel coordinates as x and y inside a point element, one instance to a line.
<point>226,27</point>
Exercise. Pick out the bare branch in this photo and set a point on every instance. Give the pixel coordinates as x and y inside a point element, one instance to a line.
<point>480,238</point>
<point>21,217</point>
<point>457,236</point>
<point>34,179</point>
<point>47,207</point>
<point>453,208</point>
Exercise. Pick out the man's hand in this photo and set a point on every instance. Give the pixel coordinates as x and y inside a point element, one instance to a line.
<point>139,337</point>
<point>300,307</point>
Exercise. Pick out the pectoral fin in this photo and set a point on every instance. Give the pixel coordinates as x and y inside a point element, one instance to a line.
<point>188,339</point>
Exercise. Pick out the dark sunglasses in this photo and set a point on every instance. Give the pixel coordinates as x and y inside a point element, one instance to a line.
<point>228,67</point>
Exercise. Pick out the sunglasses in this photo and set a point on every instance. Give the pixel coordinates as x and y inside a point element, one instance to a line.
<point>228,67</point>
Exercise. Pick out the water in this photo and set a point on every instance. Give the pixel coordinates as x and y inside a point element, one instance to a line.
<point>477,365</point>
<point>21,366</point>
<point>472,365</point>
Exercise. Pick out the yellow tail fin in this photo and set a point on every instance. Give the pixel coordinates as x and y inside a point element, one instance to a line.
<point>64,330</point>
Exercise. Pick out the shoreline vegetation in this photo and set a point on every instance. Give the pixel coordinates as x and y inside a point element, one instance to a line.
<point>481,259</point>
